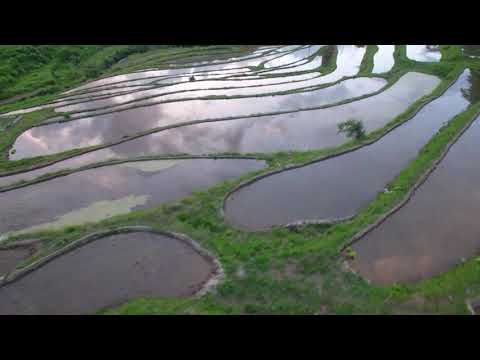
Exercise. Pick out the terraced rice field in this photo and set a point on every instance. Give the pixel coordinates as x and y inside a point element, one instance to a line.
<point>216,180</point>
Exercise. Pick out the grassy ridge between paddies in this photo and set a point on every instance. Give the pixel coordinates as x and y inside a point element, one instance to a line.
<point>33,75</point>
<point>300,271</point>
<point>367,64</point>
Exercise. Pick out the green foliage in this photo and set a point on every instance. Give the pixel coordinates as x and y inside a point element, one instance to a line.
<point>46,69</point>
<point>350,253</point>
<point>352,129</point>
<point>451,52</point>
<point>367,64</point>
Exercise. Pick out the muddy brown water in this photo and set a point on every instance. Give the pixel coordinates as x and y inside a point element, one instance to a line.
<point>108,272</point>
<point>341,186</point>
<point>95,194</point>
<point>436,229</point>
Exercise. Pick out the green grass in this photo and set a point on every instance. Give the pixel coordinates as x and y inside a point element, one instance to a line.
<point>27,68</point>
<point>367,64</point>
<point>297,272</point>
<point>42,72</point>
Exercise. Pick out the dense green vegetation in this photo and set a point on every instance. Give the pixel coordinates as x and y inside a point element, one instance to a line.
<point>352,129</point>
<point>367,64</point>
<point>35,73</point>
<point>301,270</point>
<point>45,69</point>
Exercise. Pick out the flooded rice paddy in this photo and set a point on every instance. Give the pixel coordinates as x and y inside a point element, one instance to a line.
<point>115,126</point>
<point>424,53</point>
<point>436,229</point>
<point>225,89</point>
<point>340,186</point>
<point>383,60</point>
<point>288,129</point>
<point>107,272</point>
<point>112,190</point>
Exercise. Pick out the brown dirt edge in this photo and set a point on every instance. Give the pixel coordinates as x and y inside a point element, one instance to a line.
<point>323,158</point>
<point>212,282</point>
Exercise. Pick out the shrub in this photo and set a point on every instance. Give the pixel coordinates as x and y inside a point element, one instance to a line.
<point>352,128</point>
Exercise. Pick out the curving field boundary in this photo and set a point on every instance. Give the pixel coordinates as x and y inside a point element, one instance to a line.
<point>216,277</point>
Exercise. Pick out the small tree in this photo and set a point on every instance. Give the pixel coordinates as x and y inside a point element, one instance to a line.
<point>352,128</point>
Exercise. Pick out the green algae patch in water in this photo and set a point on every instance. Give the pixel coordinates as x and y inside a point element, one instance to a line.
<point>99,193</point>
<point>95,212</point>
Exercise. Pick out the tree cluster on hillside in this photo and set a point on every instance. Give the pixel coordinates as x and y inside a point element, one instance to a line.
<point>25,68</point>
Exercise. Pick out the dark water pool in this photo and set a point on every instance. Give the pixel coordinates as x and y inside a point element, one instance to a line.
<point>435,230</point>
<point>108,272</point>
